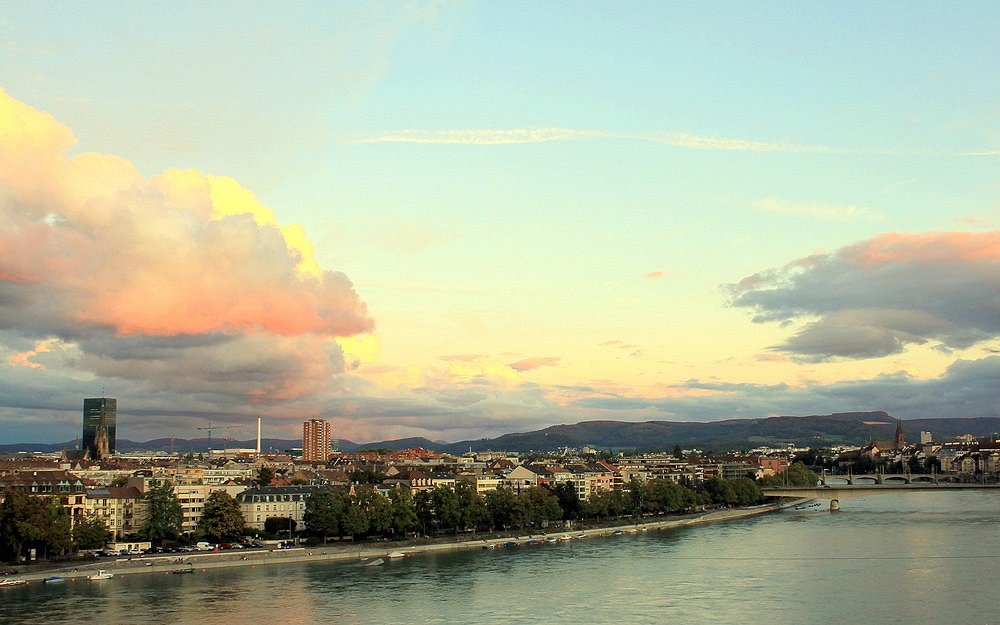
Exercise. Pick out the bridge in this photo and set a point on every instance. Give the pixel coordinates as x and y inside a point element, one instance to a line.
<point>845,491</point>
<point>889,478</point>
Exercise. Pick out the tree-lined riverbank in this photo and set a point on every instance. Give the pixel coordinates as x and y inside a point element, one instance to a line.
<point>346,552</point>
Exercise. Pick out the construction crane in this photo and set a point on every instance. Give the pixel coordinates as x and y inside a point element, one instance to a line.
<point>211,427</point>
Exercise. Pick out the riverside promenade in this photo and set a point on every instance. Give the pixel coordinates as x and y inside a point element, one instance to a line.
<point>340,553</point>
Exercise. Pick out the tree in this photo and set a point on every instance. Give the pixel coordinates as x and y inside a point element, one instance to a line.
<point>379,511</point>
<point>32,522</point>
<point>325,512</point>
<point>279,525</point>
<point>91,533</point>
<point>569,500</point>
<point>222,519</point>
<point>404,514</point>
<point>721,491</point>
<point>678,452</point>
<point>355,521</point>
<point>164,518</point>
<point>264,476</point>
<point>747,492</point>
<point>504,509</point>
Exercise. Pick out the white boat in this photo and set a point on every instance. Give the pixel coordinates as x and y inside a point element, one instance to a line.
<point>396,554</point>
<point>11,582</point>
<point>101,574</point>
<point>375,562</point>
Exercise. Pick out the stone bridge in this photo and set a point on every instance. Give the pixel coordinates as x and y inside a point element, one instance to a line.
<point>889,478</point>
<point>845,491</point>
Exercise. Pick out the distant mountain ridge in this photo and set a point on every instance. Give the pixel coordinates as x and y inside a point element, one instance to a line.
<point>845,428</point>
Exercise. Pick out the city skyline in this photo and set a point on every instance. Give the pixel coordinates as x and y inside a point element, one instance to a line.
<point>457,221</point>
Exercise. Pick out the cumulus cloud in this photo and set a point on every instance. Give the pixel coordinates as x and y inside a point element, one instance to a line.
<point>182,282</point>
<point>874,298</point>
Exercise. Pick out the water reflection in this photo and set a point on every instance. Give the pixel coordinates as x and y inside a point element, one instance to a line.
<point>907,558</point>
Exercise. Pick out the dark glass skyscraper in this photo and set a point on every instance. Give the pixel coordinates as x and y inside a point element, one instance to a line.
<point>99,416</point>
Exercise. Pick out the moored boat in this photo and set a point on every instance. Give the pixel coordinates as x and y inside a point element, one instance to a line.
<point>101,574</point>
<point>55,579</point>
<point>11,582</point>
<point>397,554</point>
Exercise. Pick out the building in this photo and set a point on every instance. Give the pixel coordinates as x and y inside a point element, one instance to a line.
<point>257,504</point>
<point>123,509</point>
<point>99,417</point>
<point>316,441</point>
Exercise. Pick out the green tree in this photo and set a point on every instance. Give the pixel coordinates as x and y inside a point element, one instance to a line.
<point>355,521</point>
<point>325,511</point>
<point>379,511</point>
<point>264,476</point>
<point>504,509</point>
<point>472,508</point>
<point>540,505</point>
<point>59,534</point>
<point>222,519</point>
<point>795,475</point>
<point>720,491</point>
<point>279,525</point>
<point>164,518</point>
<point>747,492</point>
<point>678,452</point>
<point>91,533</point>
<point>404,514</point>
<point>569,500</point>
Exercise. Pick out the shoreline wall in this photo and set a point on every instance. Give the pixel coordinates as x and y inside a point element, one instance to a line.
<point>214,560</point>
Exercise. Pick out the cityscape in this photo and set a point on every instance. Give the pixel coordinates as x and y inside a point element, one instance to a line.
<point>433,312</point>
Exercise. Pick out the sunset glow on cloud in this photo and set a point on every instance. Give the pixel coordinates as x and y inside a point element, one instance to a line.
<point>387,217</point>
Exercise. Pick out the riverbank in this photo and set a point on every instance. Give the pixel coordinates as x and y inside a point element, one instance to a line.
<point>369,551</point>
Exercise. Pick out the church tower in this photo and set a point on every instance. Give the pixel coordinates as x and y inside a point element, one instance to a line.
<point>900,442</point>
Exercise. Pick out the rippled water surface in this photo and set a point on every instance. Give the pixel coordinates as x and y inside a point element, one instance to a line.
<point>913,559</point>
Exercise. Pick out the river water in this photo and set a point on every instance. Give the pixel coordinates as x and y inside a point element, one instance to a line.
<point>910,558</point>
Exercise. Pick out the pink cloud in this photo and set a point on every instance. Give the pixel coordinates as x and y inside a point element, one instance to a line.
<point>925,248</point>
<point>182,281</point>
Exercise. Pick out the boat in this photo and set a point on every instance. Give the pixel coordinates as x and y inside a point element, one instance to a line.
<point>551,539</point>
<point>375,562</point>
<point>55,579</point>
<point>581,535</point>
<point>617,533</point>
<point>11,582</point>
<point>534,542</point>
<point>183,571</point>
<point>510,543</point>
<point>396,554</point>
<point>101,574</point>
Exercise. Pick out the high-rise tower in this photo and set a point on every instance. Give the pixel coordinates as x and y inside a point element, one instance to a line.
<point>316,440</point>
<point>99,417</point>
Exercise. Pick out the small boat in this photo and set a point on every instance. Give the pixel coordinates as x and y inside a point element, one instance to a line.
<point>396,554</point>
<point>55,579</point>
<point>11,582</point>
<point>510,543</point>
<point>101,574</point>
<point>551,539</point>
<point>534,542</point>
<point>617,533</point>
<point>375,562</point>
<point>581,535</point>
<point>183,571</point>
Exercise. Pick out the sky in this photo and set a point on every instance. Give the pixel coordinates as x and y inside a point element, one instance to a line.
<point>457,220</point>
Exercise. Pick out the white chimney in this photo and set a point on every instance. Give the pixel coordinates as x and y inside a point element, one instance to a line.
<point>258,435</point>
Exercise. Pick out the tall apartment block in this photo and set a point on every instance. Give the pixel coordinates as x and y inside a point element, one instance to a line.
<point>316,440</point>
<point>99,417</point>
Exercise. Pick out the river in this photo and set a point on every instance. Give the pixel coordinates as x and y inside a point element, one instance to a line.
<point>905,558</point>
